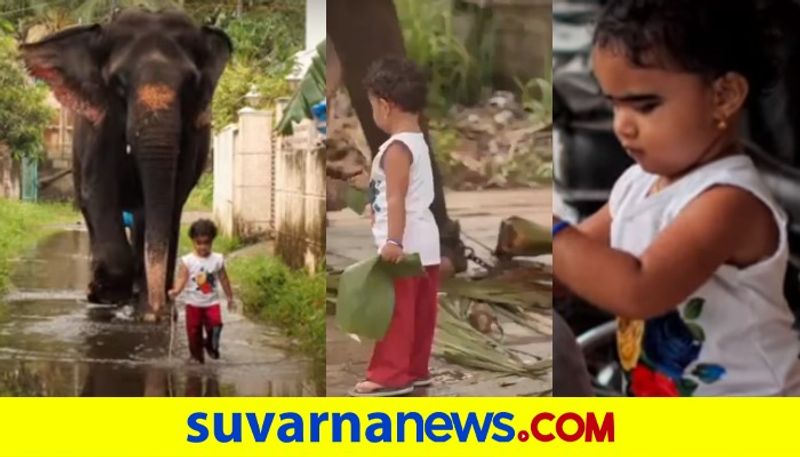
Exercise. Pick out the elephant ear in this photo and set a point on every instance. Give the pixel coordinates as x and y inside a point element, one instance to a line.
<point>218,52</point>
<point>68,61</point>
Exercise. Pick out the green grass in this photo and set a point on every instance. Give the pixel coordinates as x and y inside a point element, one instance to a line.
<point>23,224</point>
<point>223,244</point>
<point>292,300</point>
<point>202,196</point>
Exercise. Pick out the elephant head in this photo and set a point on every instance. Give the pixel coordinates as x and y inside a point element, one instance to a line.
<point>142,85</point>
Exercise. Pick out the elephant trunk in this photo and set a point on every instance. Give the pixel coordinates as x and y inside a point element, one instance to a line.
<point>158,146</point>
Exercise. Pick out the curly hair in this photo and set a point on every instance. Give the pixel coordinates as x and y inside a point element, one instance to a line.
<point>398,80</point>
<point>202,227</point>
<point>705,37</point>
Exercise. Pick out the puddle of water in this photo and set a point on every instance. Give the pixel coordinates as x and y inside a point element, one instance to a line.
<point>53,343</point>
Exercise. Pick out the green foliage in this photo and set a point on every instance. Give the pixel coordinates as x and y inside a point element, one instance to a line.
<point>236,83</point>
<point>264,42</point>
<point>220,12</point>
<point>55,15</point>
<point>269,42</point>
<point>291,300</point>
<point>202,196</point>
<point>24,114</point>
<point>457,71</point>
<point>445,140</point>
<point>23,224</point>
<point>88,11</point>
<point>537,98</point>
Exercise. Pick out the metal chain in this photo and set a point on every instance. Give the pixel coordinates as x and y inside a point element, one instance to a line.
<point>469,253</point>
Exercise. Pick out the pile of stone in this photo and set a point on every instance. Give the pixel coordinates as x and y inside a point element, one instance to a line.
<point>498,145</point>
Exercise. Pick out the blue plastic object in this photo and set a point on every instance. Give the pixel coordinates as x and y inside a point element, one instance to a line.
<point>320,113</point>
<point>127,219</point>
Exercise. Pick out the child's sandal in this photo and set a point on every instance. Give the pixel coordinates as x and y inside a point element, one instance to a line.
<point>381,391</point>
<point>423,382</point>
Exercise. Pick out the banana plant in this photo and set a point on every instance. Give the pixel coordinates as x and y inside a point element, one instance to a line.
<point>310,92</point>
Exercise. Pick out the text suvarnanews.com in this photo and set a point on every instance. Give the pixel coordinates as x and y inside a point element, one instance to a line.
<point>401,427</point>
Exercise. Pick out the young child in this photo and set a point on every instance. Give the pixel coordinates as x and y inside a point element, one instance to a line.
<point>401,194</point>
<point>691,250</point>
<point>202,270</point>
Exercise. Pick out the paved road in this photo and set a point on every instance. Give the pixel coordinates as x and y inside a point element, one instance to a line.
<point>480,214</point>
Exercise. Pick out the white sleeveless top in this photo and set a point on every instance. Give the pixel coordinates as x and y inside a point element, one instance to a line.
<point>421,233</point>
<point>202,287</point>
<point>733,336</point>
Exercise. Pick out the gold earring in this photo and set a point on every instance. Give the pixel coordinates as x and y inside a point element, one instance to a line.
<point>722,125</point>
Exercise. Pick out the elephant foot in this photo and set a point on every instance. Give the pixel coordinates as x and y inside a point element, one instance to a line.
<point>108,294</point>
<point>159,315</point>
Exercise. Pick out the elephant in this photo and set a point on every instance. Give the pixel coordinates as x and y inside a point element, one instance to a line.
<point>358,40</point>
<point>140,86</point>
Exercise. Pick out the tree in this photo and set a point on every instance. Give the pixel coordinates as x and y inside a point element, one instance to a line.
<point>53,15</point>
<point>24,115</point>
<point>359,39</point>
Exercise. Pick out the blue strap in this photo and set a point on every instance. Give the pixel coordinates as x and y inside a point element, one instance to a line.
<point>127,219</point>
<point>559,227</point>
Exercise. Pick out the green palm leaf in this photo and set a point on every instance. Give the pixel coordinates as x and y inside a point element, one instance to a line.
<point>365,294</point>
<point>310,92</point>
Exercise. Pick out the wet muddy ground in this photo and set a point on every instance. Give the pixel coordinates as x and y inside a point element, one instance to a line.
<point>52,342</point>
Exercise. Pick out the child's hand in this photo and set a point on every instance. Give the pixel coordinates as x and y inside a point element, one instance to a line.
<point>368,211</point>
<point>391,253</point>
<point>172,294</point>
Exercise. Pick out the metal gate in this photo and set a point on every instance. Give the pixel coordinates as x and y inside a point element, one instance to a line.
<point>30,179</point>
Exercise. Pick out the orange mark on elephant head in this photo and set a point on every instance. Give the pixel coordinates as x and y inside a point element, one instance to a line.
<point>155,97</point>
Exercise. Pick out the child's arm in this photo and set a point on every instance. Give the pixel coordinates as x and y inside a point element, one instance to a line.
<point>723,225</point>
<point>397,166</point>
<point>180,282</point>
<point>226,286</point>
<point>598,225</point>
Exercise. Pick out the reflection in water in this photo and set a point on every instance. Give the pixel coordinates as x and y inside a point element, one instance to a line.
<point>52,343</point>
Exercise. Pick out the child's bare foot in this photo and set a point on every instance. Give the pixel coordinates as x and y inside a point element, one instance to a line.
<point>369,388</point>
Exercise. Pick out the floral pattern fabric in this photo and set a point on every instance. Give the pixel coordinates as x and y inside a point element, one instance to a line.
<point>657,353</point>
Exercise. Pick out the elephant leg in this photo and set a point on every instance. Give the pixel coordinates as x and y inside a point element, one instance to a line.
<point>98,196</point>
<point>137,242</point>
<point>173,248</point>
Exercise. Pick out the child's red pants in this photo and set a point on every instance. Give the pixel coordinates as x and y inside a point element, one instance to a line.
<point>197,318</point>
<point>402,356</point>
